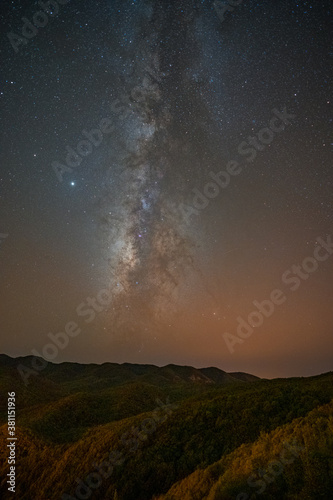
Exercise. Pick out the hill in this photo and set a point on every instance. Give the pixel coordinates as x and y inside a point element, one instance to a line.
<point>97,394</point>
<point>293,461</point>
<point>144,432</point>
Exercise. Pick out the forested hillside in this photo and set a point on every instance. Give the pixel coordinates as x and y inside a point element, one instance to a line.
<point>139,432</point>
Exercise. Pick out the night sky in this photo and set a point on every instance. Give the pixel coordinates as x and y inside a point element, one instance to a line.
<point>116,118</point>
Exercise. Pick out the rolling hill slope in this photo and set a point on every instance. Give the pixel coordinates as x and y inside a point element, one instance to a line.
<point>164,433</point>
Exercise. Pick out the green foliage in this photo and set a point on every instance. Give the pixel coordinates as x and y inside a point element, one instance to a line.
<point>221,433</point>
<point>308,476</point>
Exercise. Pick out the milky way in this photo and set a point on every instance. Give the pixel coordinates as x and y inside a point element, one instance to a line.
<point>149,239</point>
<point>187,87</point>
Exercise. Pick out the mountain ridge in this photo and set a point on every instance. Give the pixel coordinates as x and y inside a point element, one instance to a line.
<point>209,374</point>
<point>177,428</point>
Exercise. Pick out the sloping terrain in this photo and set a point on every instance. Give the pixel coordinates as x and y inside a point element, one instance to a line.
<point>292,462</point>
<point>167,433</point>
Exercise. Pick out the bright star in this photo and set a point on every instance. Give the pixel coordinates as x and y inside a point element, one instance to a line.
<point>72,183</point>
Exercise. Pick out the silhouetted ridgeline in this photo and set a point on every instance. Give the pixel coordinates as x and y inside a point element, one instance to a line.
<point>173,433</point>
